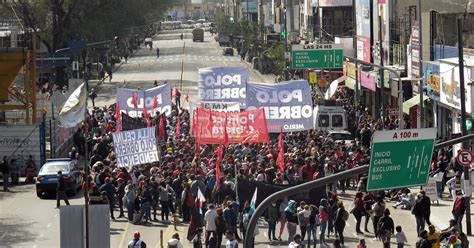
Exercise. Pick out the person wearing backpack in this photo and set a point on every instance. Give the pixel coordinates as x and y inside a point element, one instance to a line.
<point>340,220</point>
<point>386,228</point>
<point>459,208</point>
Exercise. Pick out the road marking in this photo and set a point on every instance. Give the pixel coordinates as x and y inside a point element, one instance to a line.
<point>123,235</point>
<point>49,225</point>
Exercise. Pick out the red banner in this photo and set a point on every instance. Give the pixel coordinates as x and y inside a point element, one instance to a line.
<point>241,127</point>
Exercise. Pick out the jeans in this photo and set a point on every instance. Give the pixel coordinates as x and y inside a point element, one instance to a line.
<point>145,210</point>
<point>111,207</point>
<point>420,224</point>
<point>458,220</point>
<point>291,230</point>
<point>303,231</point>
<point>340,231</point>
<point>130,210</point>
<point>271,229</point>
<point>60,194</point>
<point>5,181</point>
<point>376,222</point>
<point>358,220</point>
<point>164,210</point>
<point>322,230</point>
<point>311,230</point>
<point>404,202</point>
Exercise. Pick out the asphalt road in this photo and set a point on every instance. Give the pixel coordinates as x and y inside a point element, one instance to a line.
<point>27,221</point>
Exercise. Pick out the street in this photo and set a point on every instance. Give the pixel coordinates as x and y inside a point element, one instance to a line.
<point>27,221</point>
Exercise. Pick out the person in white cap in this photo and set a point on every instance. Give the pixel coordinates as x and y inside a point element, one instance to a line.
<point>174,242</point>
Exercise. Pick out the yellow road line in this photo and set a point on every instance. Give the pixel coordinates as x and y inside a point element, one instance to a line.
<point>124,234</point>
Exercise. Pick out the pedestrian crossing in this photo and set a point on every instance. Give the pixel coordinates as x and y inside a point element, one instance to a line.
<point>187,58</point>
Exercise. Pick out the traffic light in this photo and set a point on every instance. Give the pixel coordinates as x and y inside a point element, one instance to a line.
<point>470,124</point>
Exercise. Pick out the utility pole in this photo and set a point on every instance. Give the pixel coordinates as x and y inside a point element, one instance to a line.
<point>285,34</point>
<point>382,79</point>
<point>463,118</point>
<point>420,40</point>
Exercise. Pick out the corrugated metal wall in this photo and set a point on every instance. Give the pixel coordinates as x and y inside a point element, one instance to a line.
<point>19,142</point>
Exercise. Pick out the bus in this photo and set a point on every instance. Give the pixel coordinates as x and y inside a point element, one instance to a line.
<point>198,34</point>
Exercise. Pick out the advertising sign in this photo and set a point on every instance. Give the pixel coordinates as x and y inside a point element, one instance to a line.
<point>135,147</point>
<point>287,105</point>
<point>367,80</point>
<point>450,87</point>
<point>363,28</point>
<point>223,84</point>
<point>135,102</point>
<point>221,106</point>
<point>415,49</point>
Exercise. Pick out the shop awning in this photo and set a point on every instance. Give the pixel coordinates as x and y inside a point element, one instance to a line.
<point>412,102</point>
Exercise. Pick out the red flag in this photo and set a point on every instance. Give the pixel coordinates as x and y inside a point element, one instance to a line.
<point>281,151</point>
<point>178,128</point>
<point>186,97</point>
<point>135,100</point>
<point>145,113</point>
<point>154,104</point>
<point>118,118</point>
<point>226,135</point>
<point>210,123</point>
<point>161,130</point>
<point>220,153</point>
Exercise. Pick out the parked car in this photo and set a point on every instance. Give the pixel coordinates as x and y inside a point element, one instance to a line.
<point>340,136</point>
<point>47,179</point>
<point>228,51</point>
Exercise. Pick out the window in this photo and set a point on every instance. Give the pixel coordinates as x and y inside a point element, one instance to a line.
<point>323,120</point>
<point>337,121</point>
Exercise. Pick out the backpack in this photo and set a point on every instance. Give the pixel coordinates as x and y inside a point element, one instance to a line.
<point>189,200</point>
<point>344,215</point>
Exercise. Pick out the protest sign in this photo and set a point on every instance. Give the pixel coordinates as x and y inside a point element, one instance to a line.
<point>135,147</point>
<point>212,127</point>
<point>135,102</point>
<point>223,84</point>
<point>129,123</point>
<point>288,105</point>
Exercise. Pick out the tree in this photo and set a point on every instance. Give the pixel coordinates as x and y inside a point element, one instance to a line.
<point>57,21</point>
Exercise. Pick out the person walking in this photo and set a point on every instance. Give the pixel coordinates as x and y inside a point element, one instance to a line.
<point>386,228</point>
<point>271,216</point>
<point>110,190</point>
<point>418,211</point>
<point>209,218</point>
<point>220,226</point>
<point>136,242</point>
<point>5,169</point>
<point>130,197</point>
<point>303,219</point>
<point>340,221</point>
<point>459,209</point>
<point>291,219</point>
<point>378,207</point>
<point>93,96</point>
<point>145,201</point>
<point>358,210</point>
<point>281,209</point>
<point>426,206</point>
<point>323,220</point>
<point>120,194</point>
<point>313,225</point>
<point>60,190</point>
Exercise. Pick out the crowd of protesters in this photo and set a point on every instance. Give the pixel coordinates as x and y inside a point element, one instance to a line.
<point>172,185</point>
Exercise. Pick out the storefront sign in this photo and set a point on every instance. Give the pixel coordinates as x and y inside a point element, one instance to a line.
<point>350,70</point>
<point>434,86</point>
<point>450,87</point>
<point>363,29</point>
<point>334,3</point>
<point>415,50</point>
<point>367,80</point>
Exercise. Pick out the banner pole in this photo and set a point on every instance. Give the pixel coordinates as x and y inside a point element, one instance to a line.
<point>86,173</point>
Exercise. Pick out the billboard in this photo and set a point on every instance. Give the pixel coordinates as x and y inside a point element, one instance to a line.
<point>363,28</point>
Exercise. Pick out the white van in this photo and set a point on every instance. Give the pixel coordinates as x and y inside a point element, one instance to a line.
<point>329,118</point>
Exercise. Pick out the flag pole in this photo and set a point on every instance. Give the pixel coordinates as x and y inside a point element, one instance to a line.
<point>86,173</point>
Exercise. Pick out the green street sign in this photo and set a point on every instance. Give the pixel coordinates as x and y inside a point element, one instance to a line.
<point>284,34</point>
<point>400,158</point>
<point>316,56</point>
